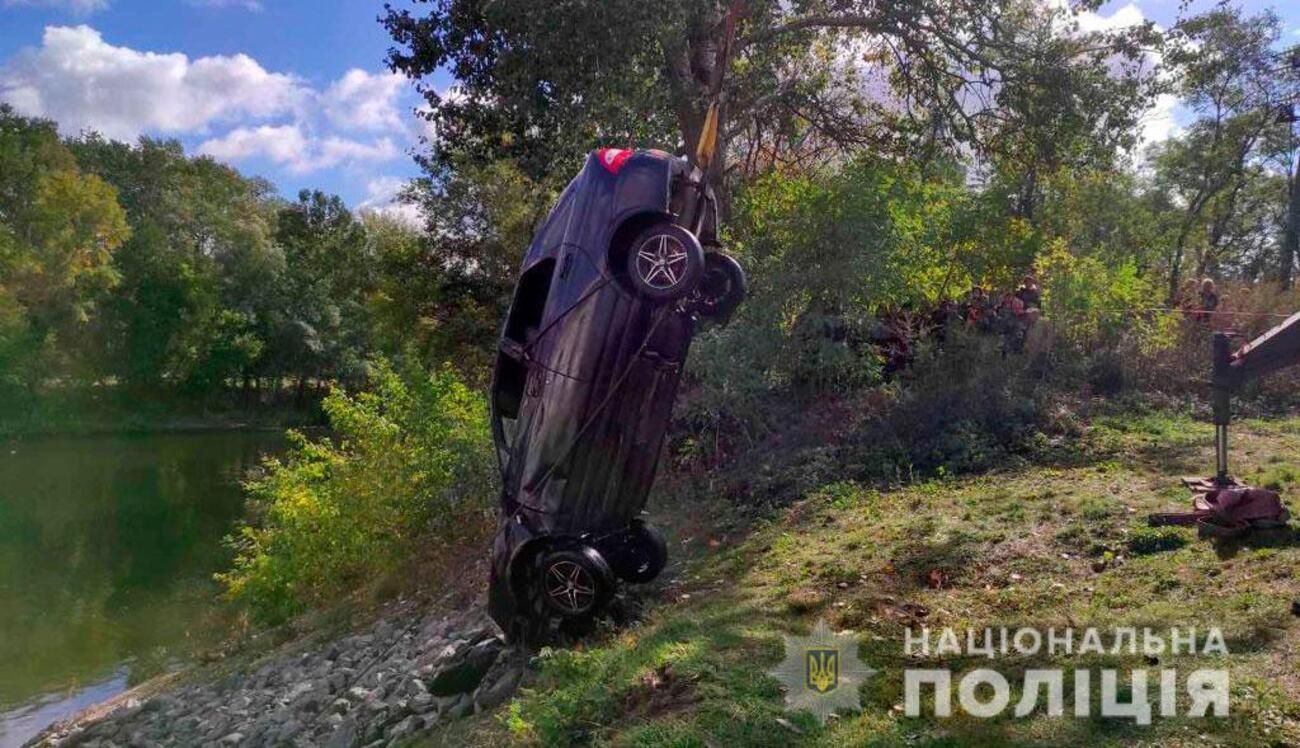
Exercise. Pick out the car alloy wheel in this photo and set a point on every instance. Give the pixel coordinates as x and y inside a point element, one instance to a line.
<point>666,262</point>
<point>574,582</point>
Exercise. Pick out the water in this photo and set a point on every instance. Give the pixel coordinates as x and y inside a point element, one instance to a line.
<point>107,549</point>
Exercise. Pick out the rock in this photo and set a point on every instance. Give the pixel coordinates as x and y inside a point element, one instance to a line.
<point>234,738</point>
<point>311,702</point>
<point>344,736</point>
<point>299,690</point>
<point>406,727</point>
<point>357,693</point>
<point>499,686</point>
<point>415,687</point>
<point>288,730</point>
<point>465,676</point>
<point>373,731</point>
<point>462,706</point>
<point>422,704</point>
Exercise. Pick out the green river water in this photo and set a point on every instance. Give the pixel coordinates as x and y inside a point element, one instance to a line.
<point>107,549</point>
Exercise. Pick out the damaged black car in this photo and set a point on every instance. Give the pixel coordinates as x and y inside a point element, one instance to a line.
<point>611,291</point>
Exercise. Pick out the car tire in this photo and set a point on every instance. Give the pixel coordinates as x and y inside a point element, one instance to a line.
<point>647,552</point>
<point>721,287</point>
<point>664,262</point>
<point>574,582</point>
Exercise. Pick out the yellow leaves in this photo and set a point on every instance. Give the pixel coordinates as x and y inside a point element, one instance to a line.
<point>67,236</point>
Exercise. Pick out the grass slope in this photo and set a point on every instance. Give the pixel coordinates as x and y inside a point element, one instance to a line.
<point>1049,546</point>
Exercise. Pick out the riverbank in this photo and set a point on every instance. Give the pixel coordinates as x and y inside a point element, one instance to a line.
<point>1046,545</point>
<point>1059,546</point>
<point>416,667</point>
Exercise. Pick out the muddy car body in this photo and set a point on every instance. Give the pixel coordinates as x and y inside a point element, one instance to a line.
<point>591,354</point>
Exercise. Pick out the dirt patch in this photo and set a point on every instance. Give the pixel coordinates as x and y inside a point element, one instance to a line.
<point>660,691</point>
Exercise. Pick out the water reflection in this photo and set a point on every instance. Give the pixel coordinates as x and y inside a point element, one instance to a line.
<point>107,547</point>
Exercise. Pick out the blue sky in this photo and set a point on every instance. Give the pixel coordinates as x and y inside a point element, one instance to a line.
<point>292,90</point>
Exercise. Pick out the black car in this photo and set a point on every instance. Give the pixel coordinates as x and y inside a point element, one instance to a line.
<point>611,290</point>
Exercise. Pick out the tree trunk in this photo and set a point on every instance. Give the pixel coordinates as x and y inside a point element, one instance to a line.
<point>1291,236</point>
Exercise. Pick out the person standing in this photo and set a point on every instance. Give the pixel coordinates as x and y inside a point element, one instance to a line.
<point>1029,294</point>
<point>1209,301</point>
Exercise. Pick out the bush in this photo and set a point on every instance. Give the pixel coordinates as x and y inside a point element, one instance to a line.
<point>409,462</point>
<point>963,407</point>
<point>1092,304</point>
<point>1144,541</point>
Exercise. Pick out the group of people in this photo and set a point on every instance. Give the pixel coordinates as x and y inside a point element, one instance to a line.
<point>1011,314</point>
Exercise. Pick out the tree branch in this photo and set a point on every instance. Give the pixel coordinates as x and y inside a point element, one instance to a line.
<point>810,22</point>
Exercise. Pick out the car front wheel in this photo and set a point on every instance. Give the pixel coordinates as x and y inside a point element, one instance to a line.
<point>665,262</point>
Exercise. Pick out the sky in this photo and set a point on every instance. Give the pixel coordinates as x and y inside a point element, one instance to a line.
<point>291,90</point>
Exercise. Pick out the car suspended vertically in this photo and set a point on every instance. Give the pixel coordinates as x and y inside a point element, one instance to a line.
<point>606,304</point>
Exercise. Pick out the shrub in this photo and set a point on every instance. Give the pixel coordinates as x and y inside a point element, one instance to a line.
<point>1092,304</point>
<point>1144,541</point>
<point>962,407</point>
<point>408,462</point>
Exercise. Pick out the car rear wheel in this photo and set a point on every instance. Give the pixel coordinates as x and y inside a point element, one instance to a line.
<point>665,262</point>
<point>574,583</point>
<point>722,287</point>
<point>648,554</point>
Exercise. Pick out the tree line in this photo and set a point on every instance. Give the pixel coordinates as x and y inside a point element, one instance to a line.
<point>875,160</point>
<point>1033,113</point>
<point>139,270</point>
<point>871,155</point>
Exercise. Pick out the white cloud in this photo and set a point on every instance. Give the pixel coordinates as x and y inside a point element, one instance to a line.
<point>1129,15</point>
<point>362,101</point>
<point>76,7</point>
<point>381,199</point>
<point>288,146</point>
<point>252,5</point>
<point>281,144</point>
<point>1160,123</point>
<point>82,82</point>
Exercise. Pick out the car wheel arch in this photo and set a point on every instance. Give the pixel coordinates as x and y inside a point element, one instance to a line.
<point>620,239</point>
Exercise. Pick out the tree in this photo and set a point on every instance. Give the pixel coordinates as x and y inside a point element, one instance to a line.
<point>541,88</point>
<point>321,327</point>
<point>59,228</point>
<point>201,257</point>
<point>442,292</point>
<point>1224,65</point>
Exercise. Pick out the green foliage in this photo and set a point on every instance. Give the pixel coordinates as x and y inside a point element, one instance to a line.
<point>444,294</point>
<point>823,252</point>
<point>1091,303</point>
<point>1144,541</point>
<point>645,74</point>
<point>59,228</point>
<point>408,462</point>
<point>961,408</point>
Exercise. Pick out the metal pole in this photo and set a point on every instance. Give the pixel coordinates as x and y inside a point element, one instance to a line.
<point>1221,454</point>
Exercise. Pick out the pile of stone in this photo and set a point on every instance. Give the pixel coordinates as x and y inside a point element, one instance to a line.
<point>395,680</point>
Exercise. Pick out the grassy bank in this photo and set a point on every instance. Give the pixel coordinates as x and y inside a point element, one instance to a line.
<point>1052,545</point>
